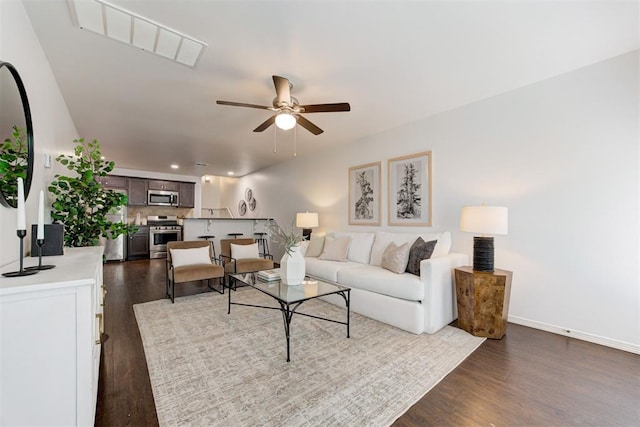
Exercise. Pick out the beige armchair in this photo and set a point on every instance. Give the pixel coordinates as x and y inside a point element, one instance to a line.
<point>243,265</point>
<point>192,266</point>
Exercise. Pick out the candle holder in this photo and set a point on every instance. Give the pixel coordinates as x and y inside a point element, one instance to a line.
<point>22,272</point>
<point>40,243</point>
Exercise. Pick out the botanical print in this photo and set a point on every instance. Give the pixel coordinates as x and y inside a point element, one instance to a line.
<point>409,196</point>
<point>364,194</point>
<point>409,190</point>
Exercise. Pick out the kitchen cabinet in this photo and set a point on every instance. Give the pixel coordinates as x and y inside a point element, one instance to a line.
<point>51,326</point>
<point>155,184</point>
<point>113,181</point>
<point>137,193</point>
<point>187,197</point>
<point>138,243</point>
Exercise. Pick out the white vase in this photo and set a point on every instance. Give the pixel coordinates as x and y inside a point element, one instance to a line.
<point>292,267</point>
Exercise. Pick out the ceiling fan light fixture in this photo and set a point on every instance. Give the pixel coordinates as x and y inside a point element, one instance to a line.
<point>285,120</point>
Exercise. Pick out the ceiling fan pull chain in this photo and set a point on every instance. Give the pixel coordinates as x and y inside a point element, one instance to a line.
<point>275,139</point>
<point>295,141</point>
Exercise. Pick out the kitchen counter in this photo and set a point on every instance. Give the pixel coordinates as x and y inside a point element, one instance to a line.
<point>221,227</point>
<point>226,219</point>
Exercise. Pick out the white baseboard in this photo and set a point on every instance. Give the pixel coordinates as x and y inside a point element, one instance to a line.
<point>608,342</point>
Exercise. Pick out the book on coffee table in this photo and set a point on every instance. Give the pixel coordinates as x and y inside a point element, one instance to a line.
<point>273,274</point>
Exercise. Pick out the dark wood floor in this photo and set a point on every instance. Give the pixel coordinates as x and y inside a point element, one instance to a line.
<point>529,377</point>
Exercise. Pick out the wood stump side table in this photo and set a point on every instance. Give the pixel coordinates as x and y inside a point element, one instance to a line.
<point>483,301</point>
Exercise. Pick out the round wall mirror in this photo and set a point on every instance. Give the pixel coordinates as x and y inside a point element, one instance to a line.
<point>16,136</point>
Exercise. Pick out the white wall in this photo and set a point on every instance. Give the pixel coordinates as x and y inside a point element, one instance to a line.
<point>52,125</point>
<point>562,154</point>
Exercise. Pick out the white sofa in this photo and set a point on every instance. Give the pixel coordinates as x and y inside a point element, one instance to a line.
<point>416,304</point>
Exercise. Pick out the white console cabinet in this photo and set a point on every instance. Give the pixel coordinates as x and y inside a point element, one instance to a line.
<point>51,326</point>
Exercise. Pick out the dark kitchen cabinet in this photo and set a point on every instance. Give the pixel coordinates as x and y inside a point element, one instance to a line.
<point>137,192</point>
<point>155,184</point>
<point>187,195</point>
<point>113,181</point>
<point>138,243</point>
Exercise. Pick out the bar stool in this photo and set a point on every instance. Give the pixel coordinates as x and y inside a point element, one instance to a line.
<point>262,241</point>
<point>234,235</point>
<point>207,237</point>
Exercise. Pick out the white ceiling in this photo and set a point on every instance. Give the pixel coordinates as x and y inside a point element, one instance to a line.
<point>394,61</point>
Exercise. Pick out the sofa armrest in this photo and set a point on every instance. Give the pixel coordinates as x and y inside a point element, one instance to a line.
<point>440,298</point>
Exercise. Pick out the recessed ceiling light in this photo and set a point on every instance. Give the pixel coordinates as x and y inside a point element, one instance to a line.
<point>174,166</point>
<point>230,173</point>
<point>127,27</point>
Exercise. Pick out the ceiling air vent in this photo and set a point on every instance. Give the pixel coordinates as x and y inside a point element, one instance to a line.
<point>127,27</point>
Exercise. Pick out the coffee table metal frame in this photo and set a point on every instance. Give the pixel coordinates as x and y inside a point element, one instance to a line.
<point>288,307</point>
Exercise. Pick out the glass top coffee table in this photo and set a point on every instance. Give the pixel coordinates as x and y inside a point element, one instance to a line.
<point>290,297</point>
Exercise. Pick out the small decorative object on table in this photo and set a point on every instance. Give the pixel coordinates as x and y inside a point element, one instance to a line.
<point>269,275</point>
<point>21,232</point>
<point>292,265</point>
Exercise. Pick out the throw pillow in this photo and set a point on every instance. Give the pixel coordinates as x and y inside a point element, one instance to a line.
<point>394,258</point>
<point>193,256</point>
<point>316,244</point>
<point>419,250</point>
<point>335,249</point>
<point>244,251</point>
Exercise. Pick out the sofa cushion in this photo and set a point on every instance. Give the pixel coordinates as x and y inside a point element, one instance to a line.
<point>382,241</point>
<point>316,244</point>
<point>244,251</point>
<point>335,249</point>
<point>375,279</point>
<point>443,247</point>
<point>324,269</point>
<point>395,258</point>
<point>359,247</point>
<point>383,238</point>
<point>192,256</point>
<point>419,250</point>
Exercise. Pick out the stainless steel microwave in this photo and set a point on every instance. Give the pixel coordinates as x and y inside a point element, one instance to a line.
<point>162,198</point>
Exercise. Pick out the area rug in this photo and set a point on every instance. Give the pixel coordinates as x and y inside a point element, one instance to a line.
<point>210,368</point>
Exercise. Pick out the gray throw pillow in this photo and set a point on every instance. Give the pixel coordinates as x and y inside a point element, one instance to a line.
<point>419,250</point>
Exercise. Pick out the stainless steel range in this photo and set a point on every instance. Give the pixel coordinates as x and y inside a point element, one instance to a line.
<point>162,229</point>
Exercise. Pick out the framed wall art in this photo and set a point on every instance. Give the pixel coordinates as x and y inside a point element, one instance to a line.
<point>364,194</point>
<point>409,190</point>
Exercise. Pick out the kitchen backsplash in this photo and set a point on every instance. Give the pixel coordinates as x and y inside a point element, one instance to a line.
<point>145,211</point>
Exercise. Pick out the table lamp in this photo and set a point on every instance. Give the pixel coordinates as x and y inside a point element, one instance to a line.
<point>484,220</point>
<point>306,221</point>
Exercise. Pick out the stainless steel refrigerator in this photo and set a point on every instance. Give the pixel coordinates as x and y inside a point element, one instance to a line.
<point>116,249</point>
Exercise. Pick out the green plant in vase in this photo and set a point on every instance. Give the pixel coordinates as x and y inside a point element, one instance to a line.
<point>292,264</point>
<point>287,237</point>
<point>81,202</point>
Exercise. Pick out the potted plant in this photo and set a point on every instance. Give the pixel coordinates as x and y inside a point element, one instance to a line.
<point>81,202</point>
<point>292,265</point>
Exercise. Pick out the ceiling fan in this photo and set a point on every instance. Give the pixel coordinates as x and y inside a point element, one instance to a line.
<point>288,110</point>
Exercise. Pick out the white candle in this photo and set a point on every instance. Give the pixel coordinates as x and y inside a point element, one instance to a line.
<point>40,235</point>
<point>22,223</point>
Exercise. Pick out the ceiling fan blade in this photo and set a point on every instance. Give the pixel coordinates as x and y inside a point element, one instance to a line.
<point>326,108</point>
<point>308,125</point>
<point>242,104</point>
<point>271,120</point>
<point>282,89</point>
